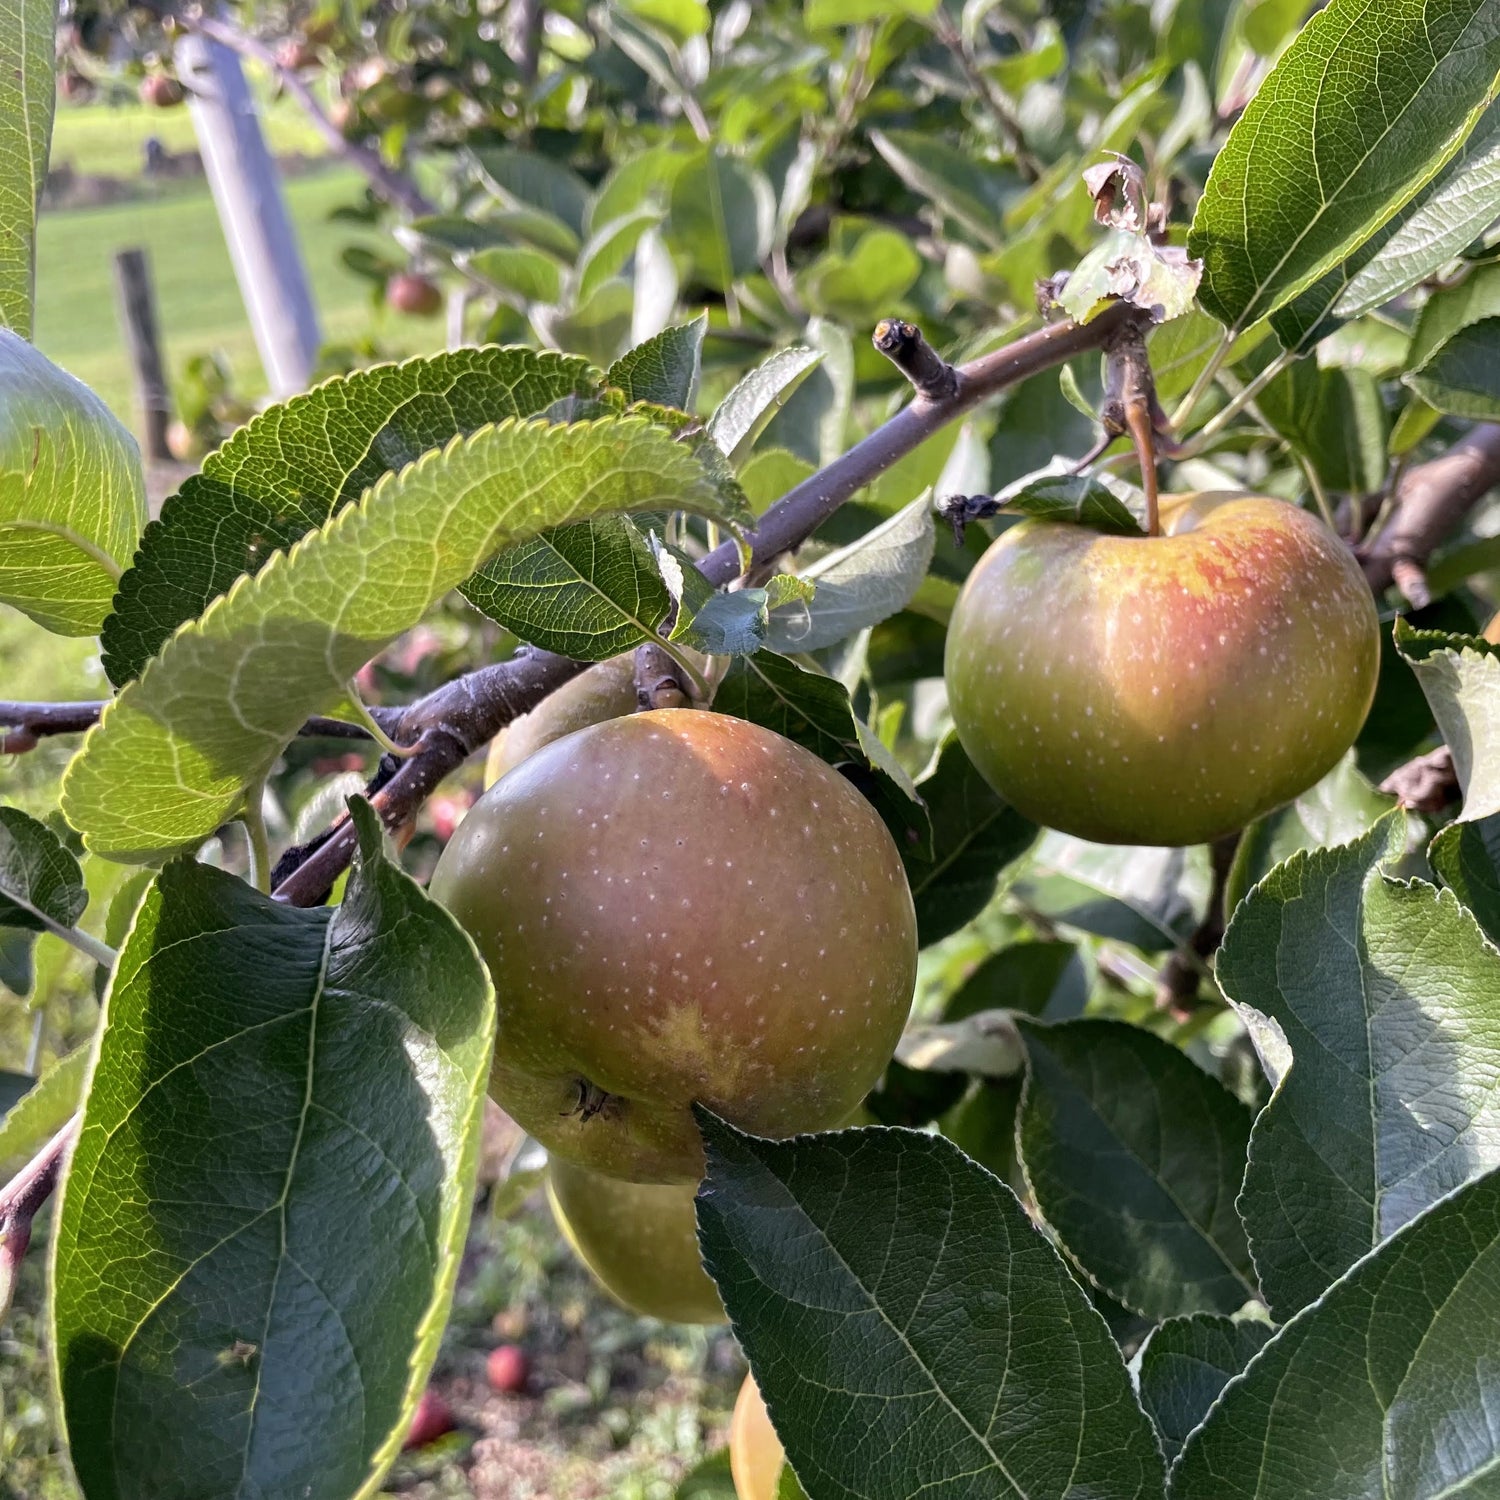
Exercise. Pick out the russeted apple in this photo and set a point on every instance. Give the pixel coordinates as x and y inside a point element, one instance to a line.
<point>1162,689</point>
<point>638,1239</point>
<point>678,907</point>
<point>756,1457</point>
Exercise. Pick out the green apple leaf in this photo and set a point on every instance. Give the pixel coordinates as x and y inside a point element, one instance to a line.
<point>682,19</point>
<point>261,1228</point>
<point>817,14</point>
<point>1336,810</point>
<point>302,462</point>
<point>454,236</point>
<point>45,1107</point>
<point>973,192</point>
<point>598,330</point>
<point>41,884</point>
<point>517,270</point>
<point>528,180</point>
<point>976,837</point>
<point>813,421</point>
<point>1186,1362</point>
<point>172,756</point>
<point>1150,898</point>
<point>709,1479</point>
<point>1385,1386</point>
<point>1448,215</point>
<point>723,215</point>
<point>607,249</point>
<point>983,1126</point>
<point>1364,108</point>
<point>768,475</point>
<point>1461,677</point>
<point>869,280</point>
<point>1078,499</point>
<point>742,415</point>
<point>1466,858</point>
<point>1460,377</point>
<point>735,622</point>
<point>28,91</point>
<point>1134,1156</point>
<point>1046,979</point>
<point>72,493</point>
<point>637,180</point>
<point>664,370</point>
<point>589,591</point>
<point>1335,418</point>
<point>861,584</point>
<point>1386,996</point>
<point>882,1284</point>
<point>816,713</point>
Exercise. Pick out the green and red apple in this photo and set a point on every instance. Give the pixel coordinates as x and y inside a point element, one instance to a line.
<point>681,907</point>
<point>1162,689</point>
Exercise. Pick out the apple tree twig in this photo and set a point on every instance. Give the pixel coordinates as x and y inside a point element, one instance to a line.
<point>395,187</point>
<point>20,1201</point>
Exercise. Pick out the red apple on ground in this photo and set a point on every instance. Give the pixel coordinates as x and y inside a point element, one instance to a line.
<point>160,91</point>
<point>506,1369</point>
<point>680,906</point>
<point>639,1239</point>
<point>756,1456</point>
<point>1168,689</point>
<point>412,294</point>
<point>432,1418</point>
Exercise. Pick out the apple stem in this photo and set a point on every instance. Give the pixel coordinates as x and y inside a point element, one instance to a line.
<point>663,679</point>
<point>1130,406</point>
<point>1138,421</point>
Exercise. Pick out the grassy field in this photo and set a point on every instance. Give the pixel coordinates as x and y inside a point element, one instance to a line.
<point>198,300</point>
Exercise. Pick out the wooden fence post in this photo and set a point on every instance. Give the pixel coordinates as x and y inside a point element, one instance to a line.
<point>137,304</point>
<point>246,186</point>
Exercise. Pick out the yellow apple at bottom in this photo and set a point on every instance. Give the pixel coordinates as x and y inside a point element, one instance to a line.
<point>756,1456</point>
<point>1167,689</point>
<point>639,1239</point>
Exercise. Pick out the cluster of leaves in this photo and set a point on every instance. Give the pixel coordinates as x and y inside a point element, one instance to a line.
<point>1293,1199</point>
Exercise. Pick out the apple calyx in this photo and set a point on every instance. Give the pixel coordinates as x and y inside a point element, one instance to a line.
<point>591,1101</point>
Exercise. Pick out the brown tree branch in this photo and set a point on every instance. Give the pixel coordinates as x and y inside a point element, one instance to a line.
<point>21,1200</point>
<point>456,720</point>
<point>1431,499</point>
<point>395,187</point>
<point>30,722</point>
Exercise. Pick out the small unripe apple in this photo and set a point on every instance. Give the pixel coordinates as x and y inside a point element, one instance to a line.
<point>1167,689</point>
<point>161,91</point>
<point>756,1457</point>
<point>412,294</point>
<point>432,1418</point>
<point>681,907</point>
<point>183,443</point>
<point>506,1369</point>
<point>605,690</point>
<point>639,1239</point>
<point>294,54</point>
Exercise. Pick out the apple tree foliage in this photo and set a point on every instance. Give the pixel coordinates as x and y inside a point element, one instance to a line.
<point>1186,1180</point>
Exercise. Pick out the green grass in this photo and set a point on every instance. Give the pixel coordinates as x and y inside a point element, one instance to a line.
<point>198,301</point>
<point>107,140</point>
